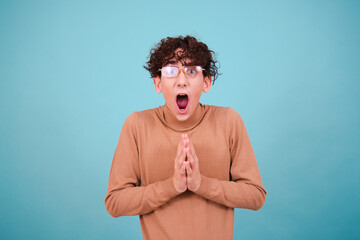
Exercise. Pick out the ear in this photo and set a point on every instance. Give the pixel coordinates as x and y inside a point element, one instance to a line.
<point>157,84</point>
<point>207,83</point>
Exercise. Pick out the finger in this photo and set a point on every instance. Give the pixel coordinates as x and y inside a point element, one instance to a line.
<point>185,140</point>
<point>179,160</point>
<point>190,157</point>
<point>192,149</point>
<point>188,169</point>
<point>193,154</point>
<point>183,169</point>
<point>180,147</point>
<point>191,146</point>
<point>182,157</point>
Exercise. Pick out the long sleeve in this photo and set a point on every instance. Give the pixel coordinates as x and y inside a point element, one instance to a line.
<point>245,189</point>
<point>125,196</point>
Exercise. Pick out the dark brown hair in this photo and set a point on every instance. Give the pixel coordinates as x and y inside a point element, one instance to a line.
<point>191,52</point>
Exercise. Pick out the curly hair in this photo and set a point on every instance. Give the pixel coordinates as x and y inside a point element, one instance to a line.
<point>191,52</point>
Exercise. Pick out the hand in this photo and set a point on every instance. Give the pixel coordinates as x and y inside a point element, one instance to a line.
<point>179,168</point>
<point>193,176</point>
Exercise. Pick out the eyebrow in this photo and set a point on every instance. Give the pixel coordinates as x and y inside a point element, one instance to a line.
<point>171,62</point>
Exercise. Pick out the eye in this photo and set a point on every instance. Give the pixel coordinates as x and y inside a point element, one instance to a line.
<point>173,70</point>
<point>191,71</point>
<point>170,71</point>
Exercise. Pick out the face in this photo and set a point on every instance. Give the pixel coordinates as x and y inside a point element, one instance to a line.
<point>182,94</point>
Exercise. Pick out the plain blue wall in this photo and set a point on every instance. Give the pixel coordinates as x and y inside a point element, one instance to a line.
<point>71,72</point>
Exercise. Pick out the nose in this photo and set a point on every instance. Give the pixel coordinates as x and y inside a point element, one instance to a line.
<point>181,79</point>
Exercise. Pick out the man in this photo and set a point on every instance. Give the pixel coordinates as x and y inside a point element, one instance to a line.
<point>184,167</point>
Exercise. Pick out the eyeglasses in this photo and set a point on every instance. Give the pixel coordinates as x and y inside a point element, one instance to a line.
<point>189,71</point>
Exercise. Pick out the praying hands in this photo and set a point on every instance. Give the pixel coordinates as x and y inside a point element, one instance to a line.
<point>186,169</point>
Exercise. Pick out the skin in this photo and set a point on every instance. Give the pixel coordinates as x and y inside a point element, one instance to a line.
<point>171,87</point>
<point>186,169</point>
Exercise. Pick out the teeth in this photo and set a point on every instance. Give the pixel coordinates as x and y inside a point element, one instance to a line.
<point>182,95</point>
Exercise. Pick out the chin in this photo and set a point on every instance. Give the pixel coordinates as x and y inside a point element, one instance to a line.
<point>182,117</point>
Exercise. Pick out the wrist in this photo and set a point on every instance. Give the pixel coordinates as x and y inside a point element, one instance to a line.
<point>179,189</point>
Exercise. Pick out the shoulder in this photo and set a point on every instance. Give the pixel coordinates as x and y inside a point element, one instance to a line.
<point>225,113</point>
<point>139,118</point>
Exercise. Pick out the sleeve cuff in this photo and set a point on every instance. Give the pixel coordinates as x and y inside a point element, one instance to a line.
<point>169,189</point>
<point>205,186</point>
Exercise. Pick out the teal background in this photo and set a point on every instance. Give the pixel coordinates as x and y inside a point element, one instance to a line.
<point>71,72</point>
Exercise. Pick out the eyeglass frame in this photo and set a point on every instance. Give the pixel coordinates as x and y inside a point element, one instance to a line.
<point>182,69</point>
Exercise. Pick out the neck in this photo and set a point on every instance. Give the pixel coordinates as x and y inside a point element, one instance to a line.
<point>170,120</point>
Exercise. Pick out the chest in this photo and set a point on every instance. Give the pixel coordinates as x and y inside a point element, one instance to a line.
<point>157,150</point>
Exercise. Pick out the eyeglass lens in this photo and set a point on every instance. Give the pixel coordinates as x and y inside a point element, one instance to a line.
<point>190,71</point>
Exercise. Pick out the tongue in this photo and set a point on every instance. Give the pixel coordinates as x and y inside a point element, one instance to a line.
<point>182,101</point>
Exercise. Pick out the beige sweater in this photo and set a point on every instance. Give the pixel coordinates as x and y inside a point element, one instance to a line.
<point>140,181</point>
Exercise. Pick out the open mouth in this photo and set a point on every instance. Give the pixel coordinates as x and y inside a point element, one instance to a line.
<point>182,101</point>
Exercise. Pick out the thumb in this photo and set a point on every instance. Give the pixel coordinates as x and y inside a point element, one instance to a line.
<point>183,168</point>
<point>188,168</point>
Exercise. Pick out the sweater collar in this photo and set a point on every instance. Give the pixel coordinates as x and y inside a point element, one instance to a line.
<point>170,120</point>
